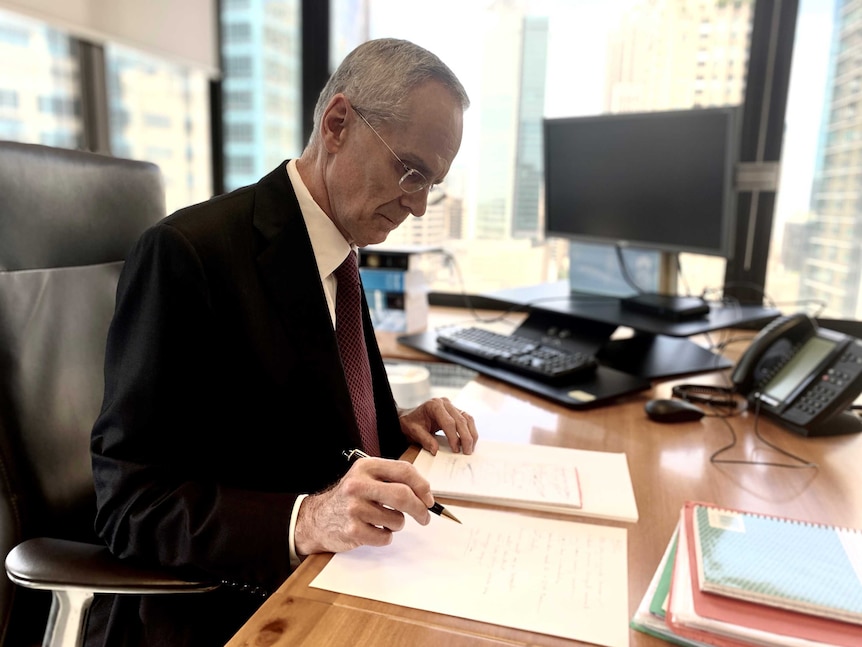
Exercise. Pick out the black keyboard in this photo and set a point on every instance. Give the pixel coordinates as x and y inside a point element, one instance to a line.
<point>517,353</point>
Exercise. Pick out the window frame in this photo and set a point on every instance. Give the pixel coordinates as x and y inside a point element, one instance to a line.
<point>768,75</point>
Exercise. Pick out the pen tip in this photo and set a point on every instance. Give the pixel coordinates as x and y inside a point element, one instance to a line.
<point>443,512</point>
<point>446,513</point>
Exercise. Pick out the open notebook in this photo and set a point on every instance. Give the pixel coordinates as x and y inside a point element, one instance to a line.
<point>535,477</point>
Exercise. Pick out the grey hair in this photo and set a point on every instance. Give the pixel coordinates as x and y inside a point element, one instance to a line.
<point>378,75</point>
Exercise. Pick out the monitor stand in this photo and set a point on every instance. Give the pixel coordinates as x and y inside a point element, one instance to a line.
<point>666,306</point>
<point>646,355</point>
<point>659,356</point>
<point>625,365</point>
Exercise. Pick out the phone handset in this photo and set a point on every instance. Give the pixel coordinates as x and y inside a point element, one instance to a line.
<point>770,349</point>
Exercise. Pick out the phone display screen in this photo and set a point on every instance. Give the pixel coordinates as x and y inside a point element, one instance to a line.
<point>801,366</point>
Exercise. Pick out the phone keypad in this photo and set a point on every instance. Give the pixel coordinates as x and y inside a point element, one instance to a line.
<point>817,397</point>
<point>847,371</point>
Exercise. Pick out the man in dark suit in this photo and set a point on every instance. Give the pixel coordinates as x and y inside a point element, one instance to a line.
<point>218,450</point>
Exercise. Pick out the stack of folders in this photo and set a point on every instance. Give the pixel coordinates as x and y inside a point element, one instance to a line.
<point>735,579</point>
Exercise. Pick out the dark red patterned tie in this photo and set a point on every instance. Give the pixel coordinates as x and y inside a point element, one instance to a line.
<point>354,354</point>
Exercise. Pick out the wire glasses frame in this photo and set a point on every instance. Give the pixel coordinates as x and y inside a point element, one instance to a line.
<point>412,181</point>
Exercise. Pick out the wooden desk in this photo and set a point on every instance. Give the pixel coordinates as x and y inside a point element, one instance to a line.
<point>669,464</point>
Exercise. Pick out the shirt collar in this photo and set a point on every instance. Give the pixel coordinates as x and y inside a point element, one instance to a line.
<point>329,246</point>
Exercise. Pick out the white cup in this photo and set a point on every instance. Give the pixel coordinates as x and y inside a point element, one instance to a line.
<point>410,383</point>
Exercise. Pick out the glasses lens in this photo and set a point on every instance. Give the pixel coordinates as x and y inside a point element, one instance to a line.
<point>412,181</point>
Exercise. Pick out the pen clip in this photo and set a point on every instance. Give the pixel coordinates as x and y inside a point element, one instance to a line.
<point>353,454</point>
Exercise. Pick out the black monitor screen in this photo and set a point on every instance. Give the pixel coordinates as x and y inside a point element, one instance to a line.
<point>658,180</point>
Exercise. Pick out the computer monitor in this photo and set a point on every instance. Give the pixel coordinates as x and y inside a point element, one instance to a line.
<point>653,180</point>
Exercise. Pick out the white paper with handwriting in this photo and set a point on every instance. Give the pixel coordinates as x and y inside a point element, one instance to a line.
<point>537,477</point>
<point>549,576</point>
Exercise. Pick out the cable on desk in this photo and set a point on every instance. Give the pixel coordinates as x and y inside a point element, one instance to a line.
<point>818,304</point>
<point>714,396</point>
<point>719,399</point>
<point>801,462</point>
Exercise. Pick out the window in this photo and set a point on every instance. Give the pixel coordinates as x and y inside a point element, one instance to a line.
<point>629,56</point>
<point>523,61</point>
<point>238,66</point>
<point>814,261</point>
<point>262,108</point>
<point>238,32</point>
<point>8,99</point>
<point>240,165</point>
<point>39,87</point>
<point>159,112</point>
<point>238,100</point>
<point>520,62</point>
<point>239,133</point>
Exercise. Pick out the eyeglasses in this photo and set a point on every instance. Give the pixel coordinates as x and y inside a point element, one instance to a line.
<point>412,181</point>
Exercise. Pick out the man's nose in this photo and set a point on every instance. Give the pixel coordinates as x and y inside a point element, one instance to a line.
<point>416,202</point>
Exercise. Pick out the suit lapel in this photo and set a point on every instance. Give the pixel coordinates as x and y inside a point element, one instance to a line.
<point>289,274</point>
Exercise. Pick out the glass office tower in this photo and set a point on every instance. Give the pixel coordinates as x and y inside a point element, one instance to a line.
<point>529,166</point>
<point>831,272</point>
<point>159,112</point>
<point>39,98</point>
<point>262,87</point>
<point>514,54</point>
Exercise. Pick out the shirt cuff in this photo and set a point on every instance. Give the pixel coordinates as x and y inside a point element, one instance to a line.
<point>295,559</point>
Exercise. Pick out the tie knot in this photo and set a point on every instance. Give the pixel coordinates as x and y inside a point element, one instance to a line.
<point>348,270</point>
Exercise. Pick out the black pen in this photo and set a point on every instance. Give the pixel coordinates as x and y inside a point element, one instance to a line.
<point>354,454</point>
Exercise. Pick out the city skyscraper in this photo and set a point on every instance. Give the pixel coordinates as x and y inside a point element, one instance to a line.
<point>262,86</point>
<point>157,110</point>
<point>528,160</point>
<point>160,112</point>
<point>672,54</point>
<point>506,203</point>
<point>39,100</point>
<point>512,105</point>
<point>832,271</point>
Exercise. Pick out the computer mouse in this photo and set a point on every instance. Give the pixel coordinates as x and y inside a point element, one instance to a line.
<point>673,410</point>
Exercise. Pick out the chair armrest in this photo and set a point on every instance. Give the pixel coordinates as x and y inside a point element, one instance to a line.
<point>59,564</point>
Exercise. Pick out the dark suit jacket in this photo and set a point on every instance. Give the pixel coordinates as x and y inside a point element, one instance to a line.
<point>224,399</point>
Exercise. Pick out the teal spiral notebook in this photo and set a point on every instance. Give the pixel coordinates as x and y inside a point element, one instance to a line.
<point>805,567</point>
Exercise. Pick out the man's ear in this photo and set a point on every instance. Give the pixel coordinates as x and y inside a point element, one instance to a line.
<point>333,124</point>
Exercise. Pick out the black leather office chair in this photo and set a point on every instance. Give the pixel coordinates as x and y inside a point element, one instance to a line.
<point>67,220</point>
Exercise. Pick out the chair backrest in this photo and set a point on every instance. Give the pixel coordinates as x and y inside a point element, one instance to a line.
<point>67,220</point>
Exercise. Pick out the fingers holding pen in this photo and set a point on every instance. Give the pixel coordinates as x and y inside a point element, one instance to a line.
<point>364,508</point>
<point>395,484</point>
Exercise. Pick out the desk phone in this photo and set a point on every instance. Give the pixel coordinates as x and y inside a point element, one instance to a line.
<point>802,375</point>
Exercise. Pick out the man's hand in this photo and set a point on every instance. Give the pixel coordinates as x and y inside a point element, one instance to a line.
<point>420,425</point>
<point>364,508</point>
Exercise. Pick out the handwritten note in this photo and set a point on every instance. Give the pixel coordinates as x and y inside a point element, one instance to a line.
<point>555,479</point>
<point>543,575</point>
<point>489,477</point>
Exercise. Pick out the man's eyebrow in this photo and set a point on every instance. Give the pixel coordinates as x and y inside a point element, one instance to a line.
<point>420,166</point>
<point>415,163</point>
